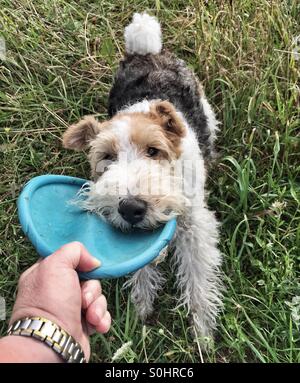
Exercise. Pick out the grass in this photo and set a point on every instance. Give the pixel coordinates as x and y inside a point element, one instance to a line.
<point>61,56</point>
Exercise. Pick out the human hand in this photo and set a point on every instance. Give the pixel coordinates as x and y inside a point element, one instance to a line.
<point>51,289</point>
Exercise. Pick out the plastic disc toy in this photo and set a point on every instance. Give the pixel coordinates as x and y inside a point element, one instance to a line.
<point>49,220</point>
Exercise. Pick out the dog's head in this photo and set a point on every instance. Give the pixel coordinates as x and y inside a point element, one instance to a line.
<point>133,161</point>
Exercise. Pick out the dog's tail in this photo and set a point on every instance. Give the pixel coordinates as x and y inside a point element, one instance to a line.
<point>143,35</point>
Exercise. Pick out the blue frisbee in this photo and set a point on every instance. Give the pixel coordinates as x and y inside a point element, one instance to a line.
<point>49,220</point>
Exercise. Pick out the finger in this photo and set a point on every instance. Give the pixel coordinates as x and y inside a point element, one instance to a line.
<point>90,329</point>
<point>96,311</point>
<point>105,323</point>
<point>90,291</point>
<point>76,256</point>
<point>87,328</point>
<point>103,326</point>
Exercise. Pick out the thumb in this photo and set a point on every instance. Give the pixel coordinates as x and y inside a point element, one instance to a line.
<point>75,256</point>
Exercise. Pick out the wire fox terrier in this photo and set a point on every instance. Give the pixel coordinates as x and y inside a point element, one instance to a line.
<point>148,166</point>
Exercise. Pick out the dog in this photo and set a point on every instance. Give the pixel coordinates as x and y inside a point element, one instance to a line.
<point>161,130</point>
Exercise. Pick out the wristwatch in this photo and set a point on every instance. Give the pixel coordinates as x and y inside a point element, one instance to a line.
<point>51,334</point>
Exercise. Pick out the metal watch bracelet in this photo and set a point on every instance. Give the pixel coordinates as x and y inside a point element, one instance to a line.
<point>51,334</point>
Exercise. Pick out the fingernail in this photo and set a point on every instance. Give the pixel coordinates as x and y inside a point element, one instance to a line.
<point>96,262</point>
<point>88,297</point>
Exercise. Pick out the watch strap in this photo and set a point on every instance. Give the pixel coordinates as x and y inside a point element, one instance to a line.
<point>51,334</point>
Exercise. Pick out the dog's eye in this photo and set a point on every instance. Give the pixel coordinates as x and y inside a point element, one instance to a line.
<point>104,161</point>
<point>108,157</point>
<point>152,152</point>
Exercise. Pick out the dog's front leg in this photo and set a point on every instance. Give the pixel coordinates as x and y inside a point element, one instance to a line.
<point>145,284</point>
<point>197,261</point>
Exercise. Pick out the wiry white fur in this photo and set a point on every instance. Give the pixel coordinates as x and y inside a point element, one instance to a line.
<point>139,107</point>
<point>212,122</point>
<point>143,35</point>
<point>145,285</point>
<point>197,263</point>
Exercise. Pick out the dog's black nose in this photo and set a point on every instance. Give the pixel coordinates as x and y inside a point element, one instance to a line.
<point>133,210</point>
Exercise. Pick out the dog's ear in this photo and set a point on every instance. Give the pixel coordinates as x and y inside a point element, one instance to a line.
<point>169,120</point>
<point>78,136</point>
